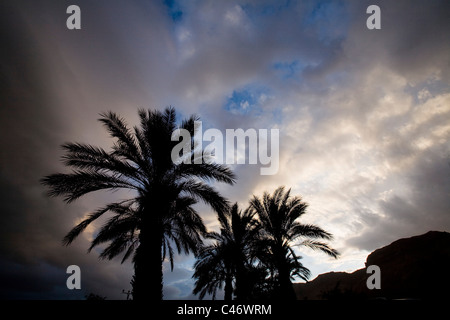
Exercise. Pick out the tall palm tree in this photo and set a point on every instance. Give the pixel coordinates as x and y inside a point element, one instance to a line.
<point>229,257</point>
<point>278,215</point>
<point>159,213</point>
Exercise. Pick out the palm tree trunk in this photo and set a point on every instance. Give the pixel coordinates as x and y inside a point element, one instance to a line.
<point>148,262</point>
<point>228,287</point>
<point>241,282</point>
<point>285,288</point>
<point>285,285</point>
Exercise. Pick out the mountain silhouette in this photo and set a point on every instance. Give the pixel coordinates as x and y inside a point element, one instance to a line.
<point>411,268</point>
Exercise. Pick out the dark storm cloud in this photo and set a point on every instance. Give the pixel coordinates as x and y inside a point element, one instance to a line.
<point>24,141</point>
<point>33,125</point>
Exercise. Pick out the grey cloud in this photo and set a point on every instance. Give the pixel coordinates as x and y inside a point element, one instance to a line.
<point>412,40</point>
<point>352,99</point>
<point>424,207</point>
<point>33,125</point>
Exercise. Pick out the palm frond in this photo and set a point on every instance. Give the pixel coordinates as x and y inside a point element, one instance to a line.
<point>116,247</point>
<point>78,183</point>
<point>115,227</point>
<point>77,230</point>
<point>83,156</point>
<point>207,172</point>
<point>133,244</point>
<point>298,230</point>
<point>206,193</point>
<point>317,245</point>
<point>126,144</point>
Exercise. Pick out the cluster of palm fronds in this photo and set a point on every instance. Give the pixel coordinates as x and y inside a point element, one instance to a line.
<point>253,255</point>
<point>160,216</point>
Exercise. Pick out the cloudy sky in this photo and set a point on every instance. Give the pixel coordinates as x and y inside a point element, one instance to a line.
<point>364,118</point>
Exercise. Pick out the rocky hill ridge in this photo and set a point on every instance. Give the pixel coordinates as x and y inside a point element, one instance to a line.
<point>411,268</point>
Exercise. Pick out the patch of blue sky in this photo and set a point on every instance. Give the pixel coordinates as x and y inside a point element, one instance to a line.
<point>257,12</point>
<point>174,10</point>
<point>277,115</point>
<point>247,100</point>
<point>288,69</point>
<point>329,19</point>
<point>265,9</point>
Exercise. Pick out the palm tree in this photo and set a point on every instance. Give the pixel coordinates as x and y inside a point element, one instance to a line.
<point>229,257</point>
<point>213,268</point>
<point>280,230</point>
<point>159,213</point>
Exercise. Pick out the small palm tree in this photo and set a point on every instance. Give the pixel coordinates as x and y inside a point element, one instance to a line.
<point>229,258</point>
<point>159,214</point>
<point>278,216</point>
<point>213,268</point>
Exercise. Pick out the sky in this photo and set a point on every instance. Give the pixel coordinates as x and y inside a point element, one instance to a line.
<point>363,118</point>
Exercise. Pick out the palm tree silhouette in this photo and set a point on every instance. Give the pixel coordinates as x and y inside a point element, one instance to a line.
<point>159,215</point>
<point>213,268</point>
<point>229,258</point>
<point>280,230</point>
